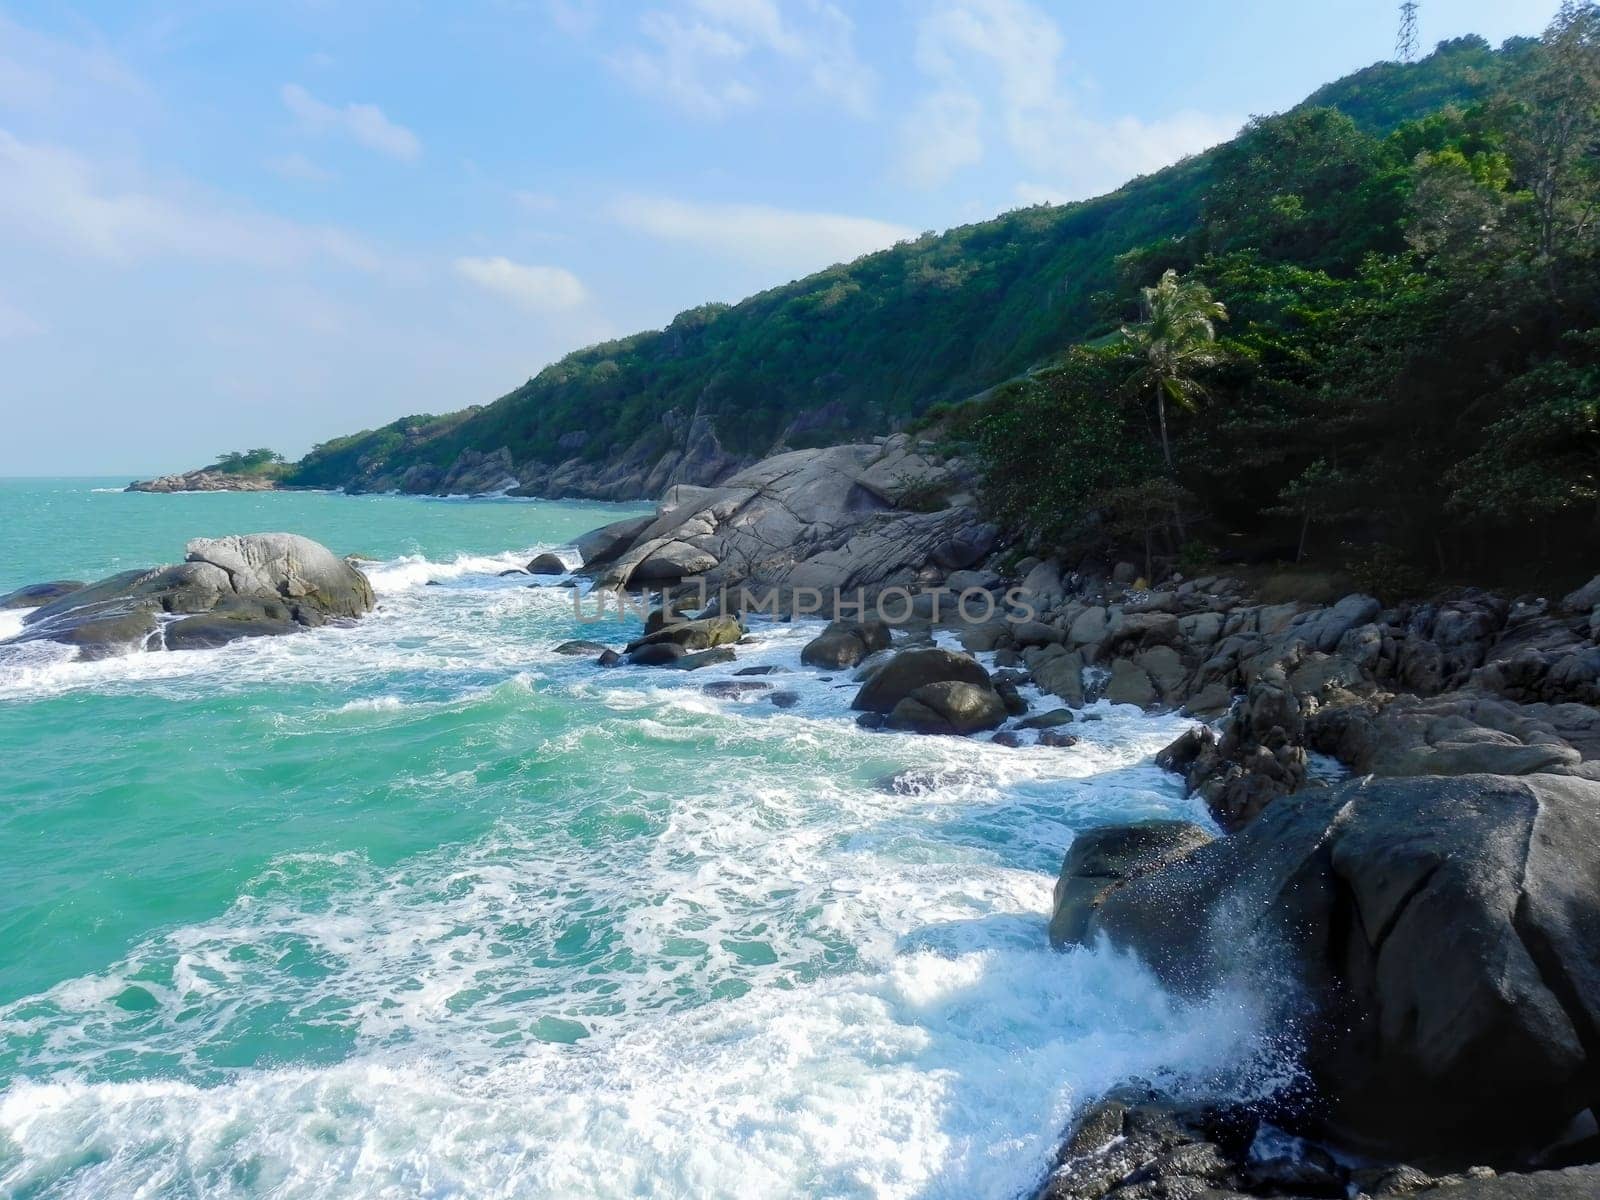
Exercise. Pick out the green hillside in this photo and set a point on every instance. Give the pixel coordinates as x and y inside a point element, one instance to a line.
<point>857,347</point>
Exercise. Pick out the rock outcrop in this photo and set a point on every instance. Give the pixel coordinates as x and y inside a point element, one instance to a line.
<point>1441,937</point>
<point>857,518</point>
<point>205,481</point>
<point>259,585</point>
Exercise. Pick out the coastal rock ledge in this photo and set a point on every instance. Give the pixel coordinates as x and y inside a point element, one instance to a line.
<point>1436,940</point>
<point>253,585</point>
<point>205,481</point>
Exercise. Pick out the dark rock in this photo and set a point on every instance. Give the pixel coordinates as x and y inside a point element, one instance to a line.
<point>1016,706</point>
<point>512,571</point>
<point>1298,1177</point>
<point>1053,719</point>
<point>1055,739</point>
<point>1007,738</point>
<point>784,699</point>
<point>762,670</point>
<point>702,658</point>
<point>1100,861</point>
<point>579,648</point>
<point>872,720</point>
<point>949,707</point>
<point>845,643</point>
<point>35,595</point>
<point>694,635</point>
<point>1446,932</point>
<point>913,669</point>
<point>609,658</point>
<point>1180,755</point>
<point>547,564</point>
<point>656,654</point>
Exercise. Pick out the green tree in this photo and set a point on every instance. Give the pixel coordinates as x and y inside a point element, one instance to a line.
<point>1175,341</point>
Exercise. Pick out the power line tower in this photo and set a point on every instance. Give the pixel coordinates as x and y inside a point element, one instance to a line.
<point>1405,46</point>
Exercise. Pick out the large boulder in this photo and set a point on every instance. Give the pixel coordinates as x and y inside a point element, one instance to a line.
<point>845,643</point>
<point>949,706</point>
<point>912,669</point>
<point>1101,860</point>
<point>287,565</point>
<point>694,635</point>
<point>603,545</point>
<point>547,564</point>
<point>229,588</point>
<point>823,519</point>
<point>1443,935</point>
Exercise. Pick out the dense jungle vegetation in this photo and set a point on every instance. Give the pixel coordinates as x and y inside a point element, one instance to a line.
<point>1378,350</point>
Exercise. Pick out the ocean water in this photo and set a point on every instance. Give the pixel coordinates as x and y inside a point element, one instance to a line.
<point>420,908</point>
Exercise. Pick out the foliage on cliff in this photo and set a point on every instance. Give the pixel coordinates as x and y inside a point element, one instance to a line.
<point>1413,359</point>
<point>860,346</point>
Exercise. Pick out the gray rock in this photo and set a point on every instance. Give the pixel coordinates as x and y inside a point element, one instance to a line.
<point>245,586</point>
<point>1584,599</point>
<point>547,564</point>
<point>1131,684</point>
<point>1053,719</point>
<point>578,647</point>
<point>1446,932</point>
<point>702,658</point>
<point>604,545</point>
<point>950,707</point>
<point>694,635</point>
<point>1058,671</point>
<point>911,669</point>
<point>845,643</point>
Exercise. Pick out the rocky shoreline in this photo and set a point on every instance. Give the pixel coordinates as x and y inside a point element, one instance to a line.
<point>1434,921</point>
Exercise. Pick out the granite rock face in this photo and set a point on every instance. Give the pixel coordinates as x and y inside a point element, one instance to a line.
<point>257,585</point>
<point>1443,938</point>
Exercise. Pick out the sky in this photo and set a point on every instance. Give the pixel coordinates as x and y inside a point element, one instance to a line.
<point>231,225</point>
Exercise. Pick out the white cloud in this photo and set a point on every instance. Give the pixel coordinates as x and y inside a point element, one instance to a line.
<point>50,194</point>
<point>364,124</point>
<point>42,73</point>
<point>710,57</point>
<point>1009,52</point>
<point>759,235</point>
<point>298,166</point>
<point>941,135</point>
<point>539,289</point>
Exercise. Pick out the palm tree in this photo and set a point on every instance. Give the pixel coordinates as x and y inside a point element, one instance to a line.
<point>1176,339</point>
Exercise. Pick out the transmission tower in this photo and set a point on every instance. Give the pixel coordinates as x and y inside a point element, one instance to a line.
<point>1405,46</point>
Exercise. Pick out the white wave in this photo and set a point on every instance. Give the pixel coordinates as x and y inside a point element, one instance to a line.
<point>11,620</point>
<point>708,950</point>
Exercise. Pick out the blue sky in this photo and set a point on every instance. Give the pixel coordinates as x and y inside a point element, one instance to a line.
<point>242,224</point>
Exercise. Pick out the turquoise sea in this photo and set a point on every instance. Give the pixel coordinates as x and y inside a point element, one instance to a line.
<point>420,908</point>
